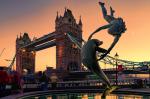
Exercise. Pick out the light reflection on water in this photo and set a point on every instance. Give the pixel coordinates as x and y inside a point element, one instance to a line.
<point>89,96</point>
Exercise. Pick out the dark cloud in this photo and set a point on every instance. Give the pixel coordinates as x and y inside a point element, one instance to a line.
<point>15,8</point>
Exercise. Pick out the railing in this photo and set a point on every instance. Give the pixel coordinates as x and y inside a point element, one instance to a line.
<point>81,84</point>
<point>85,83</point>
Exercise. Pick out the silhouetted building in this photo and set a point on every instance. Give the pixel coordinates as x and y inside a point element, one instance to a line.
<point>3,68</point>
<point>68,56</point>
<point>25,59</point>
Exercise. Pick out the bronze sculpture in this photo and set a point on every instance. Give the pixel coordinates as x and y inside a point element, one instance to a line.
<point>115,28</point>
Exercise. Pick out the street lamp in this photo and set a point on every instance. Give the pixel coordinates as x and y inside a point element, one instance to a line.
<point>149,75</point>
<point>116,57</point>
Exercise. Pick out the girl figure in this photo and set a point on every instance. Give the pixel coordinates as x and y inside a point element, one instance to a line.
<point>115,26</point>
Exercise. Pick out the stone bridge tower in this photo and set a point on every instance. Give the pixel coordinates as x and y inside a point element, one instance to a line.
<point>68,56</point>
<point>25,59</point>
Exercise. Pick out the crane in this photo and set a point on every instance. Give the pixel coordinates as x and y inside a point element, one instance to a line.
<point>2,52</point>
<point>11,64</point>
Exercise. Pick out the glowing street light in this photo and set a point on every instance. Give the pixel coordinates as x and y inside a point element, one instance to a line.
<point>116,57</point>
<point>23,50</point>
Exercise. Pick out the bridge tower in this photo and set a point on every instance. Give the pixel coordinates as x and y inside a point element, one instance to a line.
<point>25,60</point>
<point>68,56</point>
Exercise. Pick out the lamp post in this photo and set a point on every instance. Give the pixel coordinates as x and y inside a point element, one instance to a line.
<point>116,57</point>
<point>149,75</point>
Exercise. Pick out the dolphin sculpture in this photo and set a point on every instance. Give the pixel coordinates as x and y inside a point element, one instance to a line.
<point>115,28</point>
<point>89,59</point>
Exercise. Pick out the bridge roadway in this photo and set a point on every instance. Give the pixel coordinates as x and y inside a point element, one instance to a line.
<point>44,46</point>
<point>43,42</point>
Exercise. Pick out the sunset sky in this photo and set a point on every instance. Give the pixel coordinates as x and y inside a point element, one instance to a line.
<point>37,17</point>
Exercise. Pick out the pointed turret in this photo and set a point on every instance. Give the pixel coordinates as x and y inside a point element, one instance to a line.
<point>65,9</point>
<point>57,17</point>
<point>17,38</point>
<point>67,19</point>
<point>65,12</point>
<point>26,38</point>
<point>80,21</point>
<point>68,13</point>
<point>20,36</point>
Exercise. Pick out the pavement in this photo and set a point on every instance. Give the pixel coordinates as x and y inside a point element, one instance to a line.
<point>145,91</point>
<point>141,91</point>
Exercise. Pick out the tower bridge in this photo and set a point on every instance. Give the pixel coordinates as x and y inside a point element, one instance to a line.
<point>68,57</point>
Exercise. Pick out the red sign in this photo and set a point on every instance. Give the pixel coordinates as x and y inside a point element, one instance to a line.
<point>120,68</point>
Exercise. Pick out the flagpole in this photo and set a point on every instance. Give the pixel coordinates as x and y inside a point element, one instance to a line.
<point>116,57</point>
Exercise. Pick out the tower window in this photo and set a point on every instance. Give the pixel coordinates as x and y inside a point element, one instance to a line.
<point>74,46</point>
<point>69,20</point>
